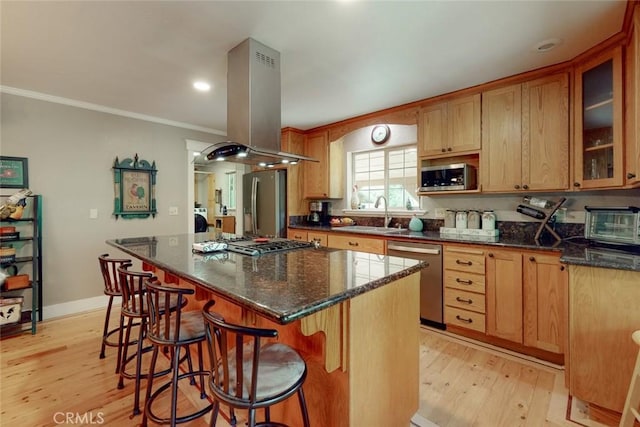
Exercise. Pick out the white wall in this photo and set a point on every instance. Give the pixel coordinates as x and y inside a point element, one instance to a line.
<point>71,153</point>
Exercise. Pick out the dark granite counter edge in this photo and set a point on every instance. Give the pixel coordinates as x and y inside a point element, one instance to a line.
<point>278,317</point>
<point>572,251</point>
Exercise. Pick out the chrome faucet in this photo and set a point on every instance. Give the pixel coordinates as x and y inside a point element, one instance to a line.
<point>387,218</point>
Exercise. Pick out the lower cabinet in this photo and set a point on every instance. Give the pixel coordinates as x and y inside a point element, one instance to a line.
<point>464,287</point>
<point>300,235</point>
<point>319,237</point>
<point>508,295</point>
<point>603,313</point>
<point>504,294</point>
<point>356,243</point>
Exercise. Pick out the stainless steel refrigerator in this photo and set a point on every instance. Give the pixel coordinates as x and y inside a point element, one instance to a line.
<point>264,203</point>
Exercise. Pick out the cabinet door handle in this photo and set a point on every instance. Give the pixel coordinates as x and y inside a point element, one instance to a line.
<point>462,319</point>
<point>631,175</point>
<point>532,259</point>
<point>468,301</point>
<point>353,243</point>
<point>526,187</point>
<point>297,237</point>
<point>562,268</point>
<point>449,149</point>
<point>444,150</point>
<point>490,255</point>
<point>459,262</point>
<point>517,187</point>
<point>576,184</point>
<point>464,282</point>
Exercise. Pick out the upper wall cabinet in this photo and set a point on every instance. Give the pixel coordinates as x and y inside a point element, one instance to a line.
<point>598,122</point>
<point>323,179</point>
<point>632,90</point>
<point>451,127</point>
<point>525,136</point>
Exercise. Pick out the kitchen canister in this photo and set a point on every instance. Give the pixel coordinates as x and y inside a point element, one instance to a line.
<point>450,219</point>
<point>473,220</point>
<point>461,219</point>
<point>488,220</point>
<point>415,224</point>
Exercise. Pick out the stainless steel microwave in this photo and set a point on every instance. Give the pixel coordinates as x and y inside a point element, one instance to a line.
<point>458,176</point>
<point>619,225</point>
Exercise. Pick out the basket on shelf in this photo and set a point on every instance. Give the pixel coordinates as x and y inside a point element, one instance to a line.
<point>10,310</point>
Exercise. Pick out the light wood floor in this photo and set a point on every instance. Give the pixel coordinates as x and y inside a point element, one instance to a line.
<point>58,372</point>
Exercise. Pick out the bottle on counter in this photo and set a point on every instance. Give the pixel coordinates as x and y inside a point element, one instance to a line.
<point>488,220</point>
<point>473,220</point>
<point>529,211</point>
<point>538,203</point>
<point>450,219</point>
<point>461,219</point>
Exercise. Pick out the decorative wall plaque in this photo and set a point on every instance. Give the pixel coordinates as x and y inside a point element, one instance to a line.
<point>135,188</point>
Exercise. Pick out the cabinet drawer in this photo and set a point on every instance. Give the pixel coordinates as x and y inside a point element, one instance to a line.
<point>464,319</point>
<point>362,244</point>
<point>321,237</point>
<point>464,281</point>
<point>464,260</point>
<point>464,300</point>
<point>297,235</point>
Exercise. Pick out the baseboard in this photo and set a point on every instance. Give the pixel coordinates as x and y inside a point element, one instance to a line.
<point>74,307</point>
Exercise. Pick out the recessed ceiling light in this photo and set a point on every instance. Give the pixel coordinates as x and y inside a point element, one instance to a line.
<point>202,86</point>
<point>546,45</point>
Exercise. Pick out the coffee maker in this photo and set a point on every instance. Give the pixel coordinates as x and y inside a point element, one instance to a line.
<point>319,213</point>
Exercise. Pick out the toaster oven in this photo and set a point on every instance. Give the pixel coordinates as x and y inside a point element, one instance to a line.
<point>617,225</point>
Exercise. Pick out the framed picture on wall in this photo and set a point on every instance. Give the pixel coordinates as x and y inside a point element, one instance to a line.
<point>14,172</point>
<point>135,183</point>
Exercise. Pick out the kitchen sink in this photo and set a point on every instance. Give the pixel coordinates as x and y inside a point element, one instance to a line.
<point>371,230</point>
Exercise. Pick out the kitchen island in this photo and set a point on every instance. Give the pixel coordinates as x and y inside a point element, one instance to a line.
<point>353,316</point>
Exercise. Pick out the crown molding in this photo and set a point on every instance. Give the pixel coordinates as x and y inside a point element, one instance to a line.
<point>101,108</point>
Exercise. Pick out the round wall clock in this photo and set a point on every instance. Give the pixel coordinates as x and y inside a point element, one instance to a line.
<point>380,134</point>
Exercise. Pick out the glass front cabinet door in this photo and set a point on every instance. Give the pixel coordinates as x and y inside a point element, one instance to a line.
<point>598,122</point>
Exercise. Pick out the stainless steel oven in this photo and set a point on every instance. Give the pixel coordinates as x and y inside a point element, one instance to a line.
<point>431,311</point>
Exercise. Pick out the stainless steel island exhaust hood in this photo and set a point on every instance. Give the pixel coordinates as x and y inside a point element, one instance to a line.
<point>253,108</point>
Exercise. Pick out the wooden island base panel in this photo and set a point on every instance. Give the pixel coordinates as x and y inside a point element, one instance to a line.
<point>362,354</point>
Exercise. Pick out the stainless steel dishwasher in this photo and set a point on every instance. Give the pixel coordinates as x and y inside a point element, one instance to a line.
<point>430,277</point>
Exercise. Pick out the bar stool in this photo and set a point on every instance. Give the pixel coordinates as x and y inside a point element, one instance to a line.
<point>631,411</point>
<point>134,309</point>
<point>109,269</point>
<point>251,376</point>
<point>176,330</point>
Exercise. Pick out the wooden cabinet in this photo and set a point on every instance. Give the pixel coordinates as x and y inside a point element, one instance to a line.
<point>598,109</point>
<point>356,243</point>
<point>320,237</point>
<point>226,223</point>
<point>323,179</point>
<point>545,287</point>
<point>292,141</point>
<point>632,90</point>
<point>603,313</point>
<point>451,127</point>
<point>464,287</point>
<point>525,136</point>
<point>300,235</point>
<point>504,294</point>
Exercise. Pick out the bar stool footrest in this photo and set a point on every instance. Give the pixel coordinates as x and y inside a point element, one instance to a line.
<point>167,386</point>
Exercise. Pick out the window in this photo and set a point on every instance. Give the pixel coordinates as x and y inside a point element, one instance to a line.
<point>390,172</point>
<point>231,189</point>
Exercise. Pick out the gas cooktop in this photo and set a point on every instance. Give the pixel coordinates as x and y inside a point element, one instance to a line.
<point>249,246</point>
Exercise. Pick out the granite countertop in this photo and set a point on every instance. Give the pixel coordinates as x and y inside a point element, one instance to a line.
<point>283,286</point>
<point>575,250</point>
